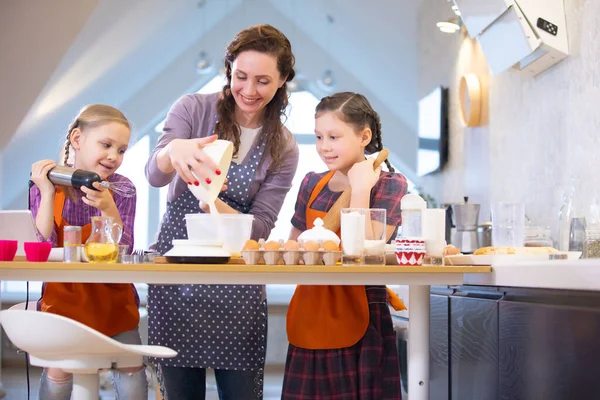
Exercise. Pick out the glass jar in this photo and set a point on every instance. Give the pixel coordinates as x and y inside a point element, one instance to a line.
<point>538,236</point>
<point>591,245</point>
<point>72,243</point>
<point>103,243</point>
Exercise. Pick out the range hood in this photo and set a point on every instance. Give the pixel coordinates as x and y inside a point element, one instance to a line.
<point>528,35</point>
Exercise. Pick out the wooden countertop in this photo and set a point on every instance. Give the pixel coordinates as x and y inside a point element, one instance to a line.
<point>236,273</point>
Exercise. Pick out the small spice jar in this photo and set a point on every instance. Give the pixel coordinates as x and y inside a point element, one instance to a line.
<point>591,246</point>
<point>72,244</point>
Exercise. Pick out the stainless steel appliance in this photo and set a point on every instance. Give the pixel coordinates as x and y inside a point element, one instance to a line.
<point>466,218</point>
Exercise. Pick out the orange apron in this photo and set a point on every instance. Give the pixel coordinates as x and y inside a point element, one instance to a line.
<point>329,316</point>
<point>107,308</point>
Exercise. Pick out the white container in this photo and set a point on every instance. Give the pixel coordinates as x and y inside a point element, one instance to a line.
<point>220,151</point>
<point>228,230</point>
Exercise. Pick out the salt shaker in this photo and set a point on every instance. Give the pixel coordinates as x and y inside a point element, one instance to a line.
<point>72,244</point>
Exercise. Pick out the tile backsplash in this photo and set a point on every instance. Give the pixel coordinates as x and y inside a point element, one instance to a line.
<point>541,129</point>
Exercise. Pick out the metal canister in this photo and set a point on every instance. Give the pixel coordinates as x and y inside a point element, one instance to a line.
<point>72,244</point>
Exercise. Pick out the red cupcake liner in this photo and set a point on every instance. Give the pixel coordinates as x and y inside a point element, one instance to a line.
<point>410,257</point>
<point>37,251</point>
<point>8,249</point>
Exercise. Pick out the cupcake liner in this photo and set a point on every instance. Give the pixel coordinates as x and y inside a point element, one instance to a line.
<point>8,249</point>
<point>407,258</point>
<point>37,251</point>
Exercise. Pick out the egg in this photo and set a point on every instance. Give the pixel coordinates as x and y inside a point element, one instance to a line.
<point>330,246</point>
<point>311,246</point>
<point>291,245</point>
<point>272,245</point>
<point>251,245</point>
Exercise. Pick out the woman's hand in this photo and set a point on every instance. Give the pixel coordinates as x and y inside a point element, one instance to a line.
<point>186,157</point>
<point>362,177</point>
<point>39,176</point>
<point>100,199</point>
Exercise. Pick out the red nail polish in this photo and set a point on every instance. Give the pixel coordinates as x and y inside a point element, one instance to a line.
<point>218,172</point>
<point>208,181</point>
<point>197,183</point>
<point>189,183</point>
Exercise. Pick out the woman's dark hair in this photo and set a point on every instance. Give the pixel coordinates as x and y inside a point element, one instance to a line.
<point>264,39</point>
<point>355,109</point>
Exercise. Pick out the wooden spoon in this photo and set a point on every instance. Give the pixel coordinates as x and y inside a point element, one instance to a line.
<point>331,220</point>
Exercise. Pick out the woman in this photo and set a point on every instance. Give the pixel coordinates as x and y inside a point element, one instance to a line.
<point>229,337</point>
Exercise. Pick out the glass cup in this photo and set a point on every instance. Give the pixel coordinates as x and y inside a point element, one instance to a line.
<point>508,224</point>
<point>433,228</point>
<point>363,236</point>
<point>123,251</point>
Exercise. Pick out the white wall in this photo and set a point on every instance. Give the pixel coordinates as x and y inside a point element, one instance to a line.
<point>541,130</point>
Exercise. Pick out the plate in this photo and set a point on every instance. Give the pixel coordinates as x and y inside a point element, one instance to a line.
<point>469,259</point>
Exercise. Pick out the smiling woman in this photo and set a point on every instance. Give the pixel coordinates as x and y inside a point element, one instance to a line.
<point>248,112</point>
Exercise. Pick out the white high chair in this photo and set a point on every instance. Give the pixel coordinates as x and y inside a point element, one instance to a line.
<point>54,341</point>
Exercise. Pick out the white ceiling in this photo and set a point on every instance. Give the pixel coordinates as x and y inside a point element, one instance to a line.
<point>139,56</point>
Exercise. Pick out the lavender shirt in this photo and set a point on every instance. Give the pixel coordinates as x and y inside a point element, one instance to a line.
<point>194,116</point>
<point>80,214</point>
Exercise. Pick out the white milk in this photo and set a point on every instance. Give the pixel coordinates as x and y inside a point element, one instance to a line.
<point>353,232</point>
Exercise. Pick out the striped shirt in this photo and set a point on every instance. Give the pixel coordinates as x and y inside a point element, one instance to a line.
<point>79,213</point>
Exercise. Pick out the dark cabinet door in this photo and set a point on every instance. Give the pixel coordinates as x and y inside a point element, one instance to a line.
<point>473,348</point>
<point>438,348</point>
<point>548,352</point>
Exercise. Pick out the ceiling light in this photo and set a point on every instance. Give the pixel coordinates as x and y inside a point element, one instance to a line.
<point>327,81</point>
<point>448,27</point>
<point>203,63</point>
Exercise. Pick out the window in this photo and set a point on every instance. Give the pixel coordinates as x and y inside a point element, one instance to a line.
<point>133,166</point>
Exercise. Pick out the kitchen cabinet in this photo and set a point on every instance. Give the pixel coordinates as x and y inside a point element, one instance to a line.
<point>473,346</point>
<point>549,351</point>
<point>439,347</point>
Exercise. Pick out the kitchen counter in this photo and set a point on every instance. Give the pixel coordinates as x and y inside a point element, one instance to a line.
<point>419,280</point>
<point>236,273</point>
<point>559,274</point>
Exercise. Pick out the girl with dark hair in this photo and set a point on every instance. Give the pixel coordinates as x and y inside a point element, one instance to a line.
<point>342,341</point>
<point>218,326</point>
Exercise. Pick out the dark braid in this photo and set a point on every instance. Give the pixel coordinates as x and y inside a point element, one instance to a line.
<point>355,109</point>
<point>375,125</point>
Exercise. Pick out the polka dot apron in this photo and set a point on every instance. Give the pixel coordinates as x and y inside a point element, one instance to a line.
<point>211,326</point>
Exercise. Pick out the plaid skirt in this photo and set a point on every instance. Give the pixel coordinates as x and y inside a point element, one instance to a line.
<point>369,370</point>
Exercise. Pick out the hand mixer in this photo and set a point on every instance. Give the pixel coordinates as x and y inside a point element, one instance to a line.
<point>76,178</point>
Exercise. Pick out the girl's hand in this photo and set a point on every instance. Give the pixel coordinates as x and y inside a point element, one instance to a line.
<point>100,199</point>
<point>362,177</point>
<point>186,155</point>
<point>39,176</point>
